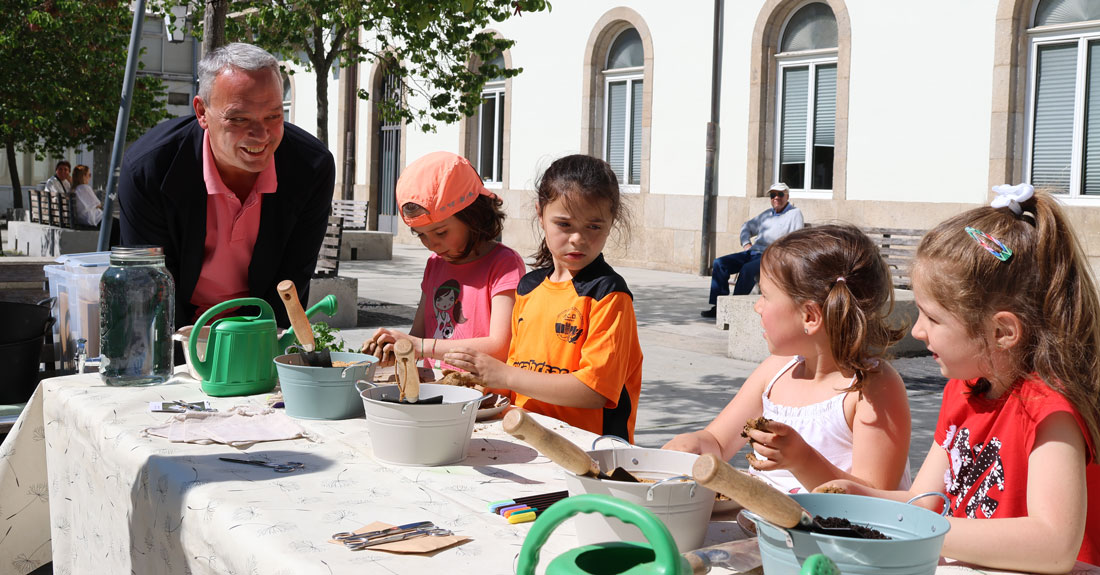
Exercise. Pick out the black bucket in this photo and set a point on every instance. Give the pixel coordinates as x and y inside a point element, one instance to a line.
<point>22,326</point>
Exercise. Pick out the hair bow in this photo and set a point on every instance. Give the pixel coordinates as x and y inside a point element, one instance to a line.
<point>1012,196</point>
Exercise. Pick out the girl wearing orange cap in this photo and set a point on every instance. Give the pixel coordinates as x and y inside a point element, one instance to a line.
<point>575,353</point>
<point>469,285</point>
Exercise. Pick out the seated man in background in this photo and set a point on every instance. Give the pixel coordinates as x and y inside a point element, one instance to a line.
<point>60,183</point>
<point>238,200</point>
<point>775,222</point>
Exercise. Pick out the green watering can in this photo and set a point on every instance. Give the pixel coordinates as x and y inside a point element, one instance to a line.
<point>240,349</point>
<point>659,557</point>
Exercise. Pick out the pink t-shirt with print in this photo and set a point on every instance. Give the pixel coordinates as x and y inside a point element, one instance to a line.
<point>460,296</point>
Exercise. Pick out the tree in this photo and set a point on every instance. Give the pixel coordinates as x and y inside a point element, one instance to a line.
<point>62,64</point>
<point>427,44</point>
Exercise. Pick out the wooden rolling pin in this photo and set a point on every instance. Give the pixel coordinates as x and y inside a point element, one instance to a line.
<point>406,372</point>
<point>755,495</point>
<point>558,449</point>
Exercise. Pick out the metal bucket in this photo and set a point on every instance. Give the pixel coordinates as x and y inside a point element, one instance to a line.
<point>22,326</point>
<point>324,392</point>
<point>916,537</point>
<point>428,435</point>
<point>680,503</point>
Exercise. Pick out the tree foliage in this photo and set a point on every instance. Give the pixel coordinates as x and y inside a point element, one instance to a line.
<point>62,64</point>
<point>427,44</point>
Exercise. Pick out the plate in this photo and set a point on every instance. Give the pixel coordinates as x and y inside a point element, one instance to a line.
<point>499,404</point>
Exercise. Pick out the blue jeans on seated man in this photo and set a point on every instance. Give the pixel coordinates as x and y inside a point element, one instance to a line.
<point>745,264</point>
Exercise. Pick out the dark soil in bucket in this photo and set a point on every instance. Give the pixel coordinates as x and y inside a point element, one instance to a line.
<point>863,531</point>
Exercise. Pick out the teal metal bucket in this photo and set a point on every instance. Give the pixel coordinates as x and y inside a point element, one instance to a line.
<point>916,537</point>
<point>324,392</point>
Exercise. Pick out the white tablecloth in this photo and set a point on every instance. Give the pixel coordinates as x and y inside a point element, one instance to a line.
<point>119,501</point>
<point>77,471</point>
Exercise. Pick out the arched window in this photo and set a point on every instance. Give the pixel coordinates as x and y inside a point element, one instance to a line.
<point>490,127</point>
<point>1063,101</point>
<point>806,99</point>
<point>288,90</point>
<point>623,77</point>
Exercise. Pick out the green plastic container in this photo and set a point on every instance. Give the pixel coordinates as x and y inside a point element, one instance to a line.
<point>324,392</point>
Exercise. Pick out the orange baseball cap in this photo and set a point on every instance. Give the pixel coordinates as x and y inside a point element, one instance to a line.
<point>442,183</point>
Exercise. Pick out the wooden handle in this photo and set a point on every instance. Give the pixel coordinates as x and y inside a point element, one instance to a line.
<point>755,495</point>
<point>408,375</point>
<point>741,555</point>
<point>297,315</point>
<point>558,449</point>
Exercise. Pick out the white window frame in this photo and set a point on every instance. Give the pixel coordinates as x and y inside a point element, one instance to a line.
<point>494,90</point>
<point>1082,33</point>
<point>811,59</point>
<point>630,76</point>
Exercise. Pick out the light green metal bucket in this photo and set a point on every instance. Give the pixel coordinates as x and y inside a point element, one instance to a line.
<point>324,392</point>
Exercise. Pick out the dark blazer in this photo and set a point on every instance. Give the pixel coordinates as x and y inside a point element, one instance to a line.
<point>162,202</point>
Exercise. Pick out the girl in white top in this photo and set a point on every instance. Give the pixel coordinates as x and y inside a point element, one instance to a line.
<point>836,410</point>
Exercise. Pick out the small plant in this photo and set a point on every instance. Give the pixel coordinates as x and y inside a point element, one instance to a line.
<point>324,338</point>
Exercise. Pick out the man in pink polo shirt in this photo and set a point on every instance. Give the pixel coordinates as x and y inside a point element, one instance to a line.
<point>238,199</point>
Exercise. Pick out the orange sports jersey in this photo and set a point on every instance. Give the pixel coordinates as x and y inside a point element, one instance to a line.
<point>585,327</point>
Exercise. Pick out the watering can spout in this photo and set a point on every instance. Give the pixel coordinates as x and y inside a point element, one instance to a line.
<point>327,305</point>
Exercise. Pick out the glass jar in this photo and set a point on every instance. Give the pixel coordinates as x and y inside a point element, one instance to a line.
<point>136,317</point>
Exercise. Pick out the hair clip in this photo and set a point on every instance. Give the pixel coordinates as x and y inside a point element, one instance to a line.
<point>990,243</point>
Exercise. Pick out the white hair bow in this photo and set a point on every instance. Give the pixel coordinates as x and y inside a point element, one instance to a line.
<point>1011,196</point>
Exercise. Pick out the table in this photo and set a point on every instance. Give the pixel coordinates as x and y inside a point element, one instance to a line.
<point>121,502</point>
<point>81,484</point>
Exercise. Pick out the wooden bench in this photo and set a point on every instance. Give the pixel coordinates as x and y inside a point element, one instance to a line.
<point>52,209</point>
<point>354,213</point>
<point>898,247</point>
<point>328,259</point>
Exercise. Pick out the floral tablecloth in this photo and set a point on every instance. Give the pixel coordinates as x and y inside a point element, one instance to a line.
<point>82,485</point>
<point>119,501</point>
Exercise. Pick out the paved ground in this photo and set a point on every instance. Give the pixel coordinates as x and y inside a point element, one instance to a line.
<point>686,376</point>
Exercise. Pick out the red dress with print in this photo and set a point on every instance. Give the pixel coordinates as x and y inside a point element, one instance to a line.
<point>988,442</point>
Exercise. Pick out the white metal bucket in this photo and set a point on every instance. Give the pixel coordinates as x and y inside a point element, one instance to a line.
<point>681,504</point>
<point>407,434</point>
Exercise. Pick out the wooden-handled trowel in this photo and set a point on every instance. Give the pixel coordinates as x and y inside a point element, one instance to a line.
<point>302,330</point>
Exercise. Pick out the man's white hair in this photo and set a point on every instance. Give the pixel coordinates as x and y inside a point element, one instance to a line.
<point>237,55</point>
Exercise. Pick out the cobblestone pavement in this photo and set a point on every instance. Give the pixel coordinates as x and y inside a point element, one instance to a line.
<point>687,378</point>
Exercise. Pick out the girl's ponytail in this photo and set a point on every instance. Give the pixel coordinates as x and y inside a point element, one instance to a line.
<point>1042,277</point>
<point>839,268</point>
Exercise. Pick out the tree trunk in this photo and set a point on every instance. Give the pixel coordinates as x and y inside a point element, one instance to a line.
<point>213,25</point>
<point>322,104</point>
<point>13,169</point>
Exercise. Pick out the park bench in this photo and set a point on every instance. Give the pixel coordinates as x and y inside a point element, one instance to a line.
<point>358,242</point>
<point>354,213</point>
<point>326,279</point>
<point>52,209</point>
<point>898,246</point>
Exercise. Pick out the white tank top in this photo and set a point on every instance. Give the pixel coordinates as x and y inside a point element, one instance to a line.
<point>822,425</point>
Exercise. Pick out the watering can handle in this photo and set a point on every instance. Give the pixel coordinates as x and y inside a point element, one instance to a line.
<point>558,449</point>
<point>203,366</point>
<point>753,494</point>
<point>666,561</point>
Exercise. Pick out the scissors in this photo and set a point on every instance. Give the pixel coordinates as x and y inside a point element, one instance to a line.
<point>351,535</point>
<point>356,545</point>
<point>287,467</point>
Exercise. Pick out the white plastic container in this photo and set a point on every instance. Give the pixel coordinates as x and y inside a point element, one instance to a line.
<point>426,435</point>
<point>681,504</point>
<point>183,335</point>
<point>74,284</point>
